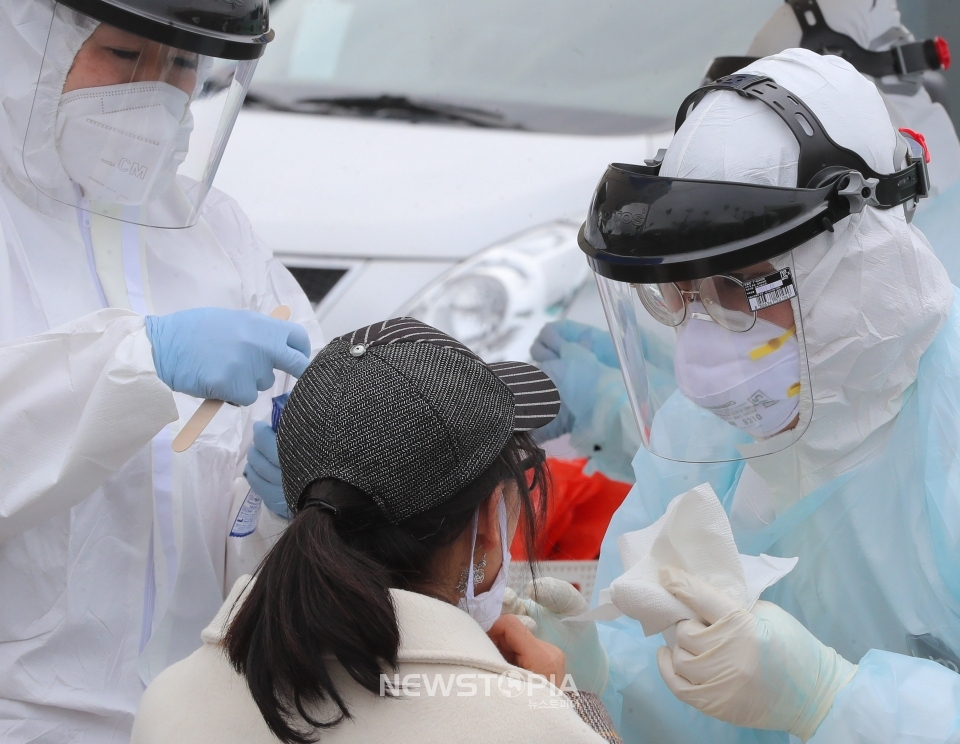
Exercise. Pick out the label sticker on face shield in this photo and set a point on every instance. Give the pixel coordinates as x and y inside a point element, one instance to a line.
<point>771,289</point>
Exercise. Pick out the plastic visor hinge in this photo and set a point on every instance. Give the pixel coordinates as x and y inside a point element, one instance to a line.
<point>657,160</point>
<point>859,191</point>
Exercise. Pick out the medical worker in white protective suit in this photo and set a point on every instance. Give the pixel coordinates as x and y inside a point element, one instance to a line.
<point>128,293</point>
<point>870,35</point>
<point>837,442</point>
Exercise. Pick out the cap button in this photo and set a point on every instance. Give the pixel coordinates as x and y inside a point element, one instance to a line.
<point>358,350</point>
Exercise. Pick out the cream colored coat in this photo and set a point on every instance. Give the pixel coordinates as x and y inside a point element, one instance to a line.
<point>201,699</point>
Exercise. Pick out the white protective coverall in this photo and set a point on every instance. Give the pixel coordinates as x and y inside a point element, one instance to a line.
<point>114,552</point>
<point>868,498</point>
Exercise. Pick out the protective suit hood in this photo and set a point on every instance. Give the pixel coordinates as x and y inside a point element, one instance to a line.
<point>872,293</point>
<point>24,30</point>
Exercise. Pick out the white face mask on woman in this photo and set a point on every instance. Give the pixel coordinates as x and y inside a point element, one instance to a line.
<point>485,608</point>
<point>751,380</point>
<point>123,144</point>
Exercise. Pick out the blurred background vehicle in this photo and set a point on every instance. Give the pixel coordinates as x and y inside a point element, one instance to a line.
<point>435,158</point>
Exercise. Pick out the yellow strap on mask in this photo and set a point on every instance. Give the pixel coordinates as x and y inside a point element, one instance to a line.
<point>772,345</point>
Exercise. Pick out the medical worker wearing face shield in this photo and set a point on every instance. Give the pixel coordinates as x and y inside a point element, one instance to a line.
<point>868,34</point>
<point>787,188</point>
<point>129,290</point>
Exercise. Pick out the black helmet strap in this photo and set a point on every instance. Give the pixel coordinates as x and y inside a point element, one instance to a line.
<point>902,59</point>
<point>820,157</point>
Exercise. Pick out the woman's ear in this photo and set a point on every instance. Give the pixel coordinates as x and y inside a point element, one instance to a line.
<point>488,523</point>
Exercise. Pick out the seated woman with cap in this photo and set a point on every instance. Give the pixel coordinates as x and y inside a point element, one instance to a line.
<point>406,464</point>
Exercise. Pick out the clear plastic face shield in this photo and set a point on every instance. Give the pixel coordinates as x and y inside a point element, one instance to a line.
<point>700,291</point>
<point>715,368</point>
<point>128,127</point>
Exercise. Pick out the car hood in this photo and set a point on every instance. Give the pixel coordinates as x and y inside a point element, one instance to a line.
<point>350,187</point>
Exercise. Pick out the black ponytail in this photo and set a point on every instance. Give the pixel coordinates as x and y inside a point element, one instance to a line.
<point>324,589</point>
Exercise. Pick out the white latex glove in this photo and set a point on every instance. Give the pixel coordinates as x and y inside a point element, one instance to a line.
<point>586,659</point>
<point>758,669</point>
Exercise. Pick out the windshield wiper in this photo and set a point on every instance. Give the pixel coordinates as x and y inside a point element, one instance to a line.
<point>393,107</point>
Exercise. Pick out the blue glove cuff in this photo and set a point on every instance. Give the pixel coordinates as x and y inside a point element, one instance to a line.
<point>154,329</point>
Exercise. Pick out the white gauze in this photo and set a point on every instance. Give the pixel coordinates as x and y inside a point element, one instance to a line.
<point>693,534</point>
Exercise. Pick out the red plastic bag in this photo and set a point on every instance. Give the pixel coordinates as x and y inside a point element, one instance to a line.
<point>579,509</point>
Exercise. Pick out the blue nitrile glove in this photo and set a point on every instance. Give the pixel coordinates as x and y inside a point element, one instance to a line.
<point>547,353</point>
<point>586,661</point>
<point>595,411</point>
<point>263,469</point>
<point>547,344</point>
<point>228,355</point>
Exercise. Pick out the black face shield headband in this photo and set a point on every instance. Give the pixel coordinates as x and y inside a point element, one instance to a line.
<point>644,228</point>
<point>901,59</point>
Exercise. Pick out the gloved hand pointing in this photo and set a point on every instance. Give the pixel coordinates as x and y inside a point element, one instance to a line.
<point>759,668</point>
<point>229,355</point>
<point>586,660</point>
<point>263,469</point>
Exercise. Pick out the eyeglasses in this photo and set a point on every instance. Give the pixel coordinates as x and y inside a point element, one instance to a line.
<point>723,297</point>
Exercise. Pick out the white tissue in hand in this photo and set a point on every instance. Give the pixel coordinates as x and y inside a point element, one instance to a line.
<point>694,534</point>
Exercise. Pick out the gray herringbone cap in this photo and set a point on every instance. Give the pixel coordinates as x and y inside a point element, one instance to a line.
<point>406,414</point>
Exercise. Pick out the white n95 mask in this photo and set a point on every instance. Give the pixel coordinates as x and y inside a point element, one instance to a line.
<point>751,380</point>
<point>485,608</point>
<point>123,144</point>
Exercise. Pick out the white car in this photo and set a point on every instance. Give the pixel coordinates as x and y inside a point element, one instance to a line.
<point>436,158</point>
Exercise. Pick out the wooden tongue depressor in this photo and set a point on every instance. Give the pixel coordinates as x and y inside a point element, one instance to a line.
<point>208,409</point>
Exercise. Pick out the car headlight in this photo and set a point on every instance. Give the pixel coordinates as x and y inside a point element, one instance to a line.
<point>496,301</point>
